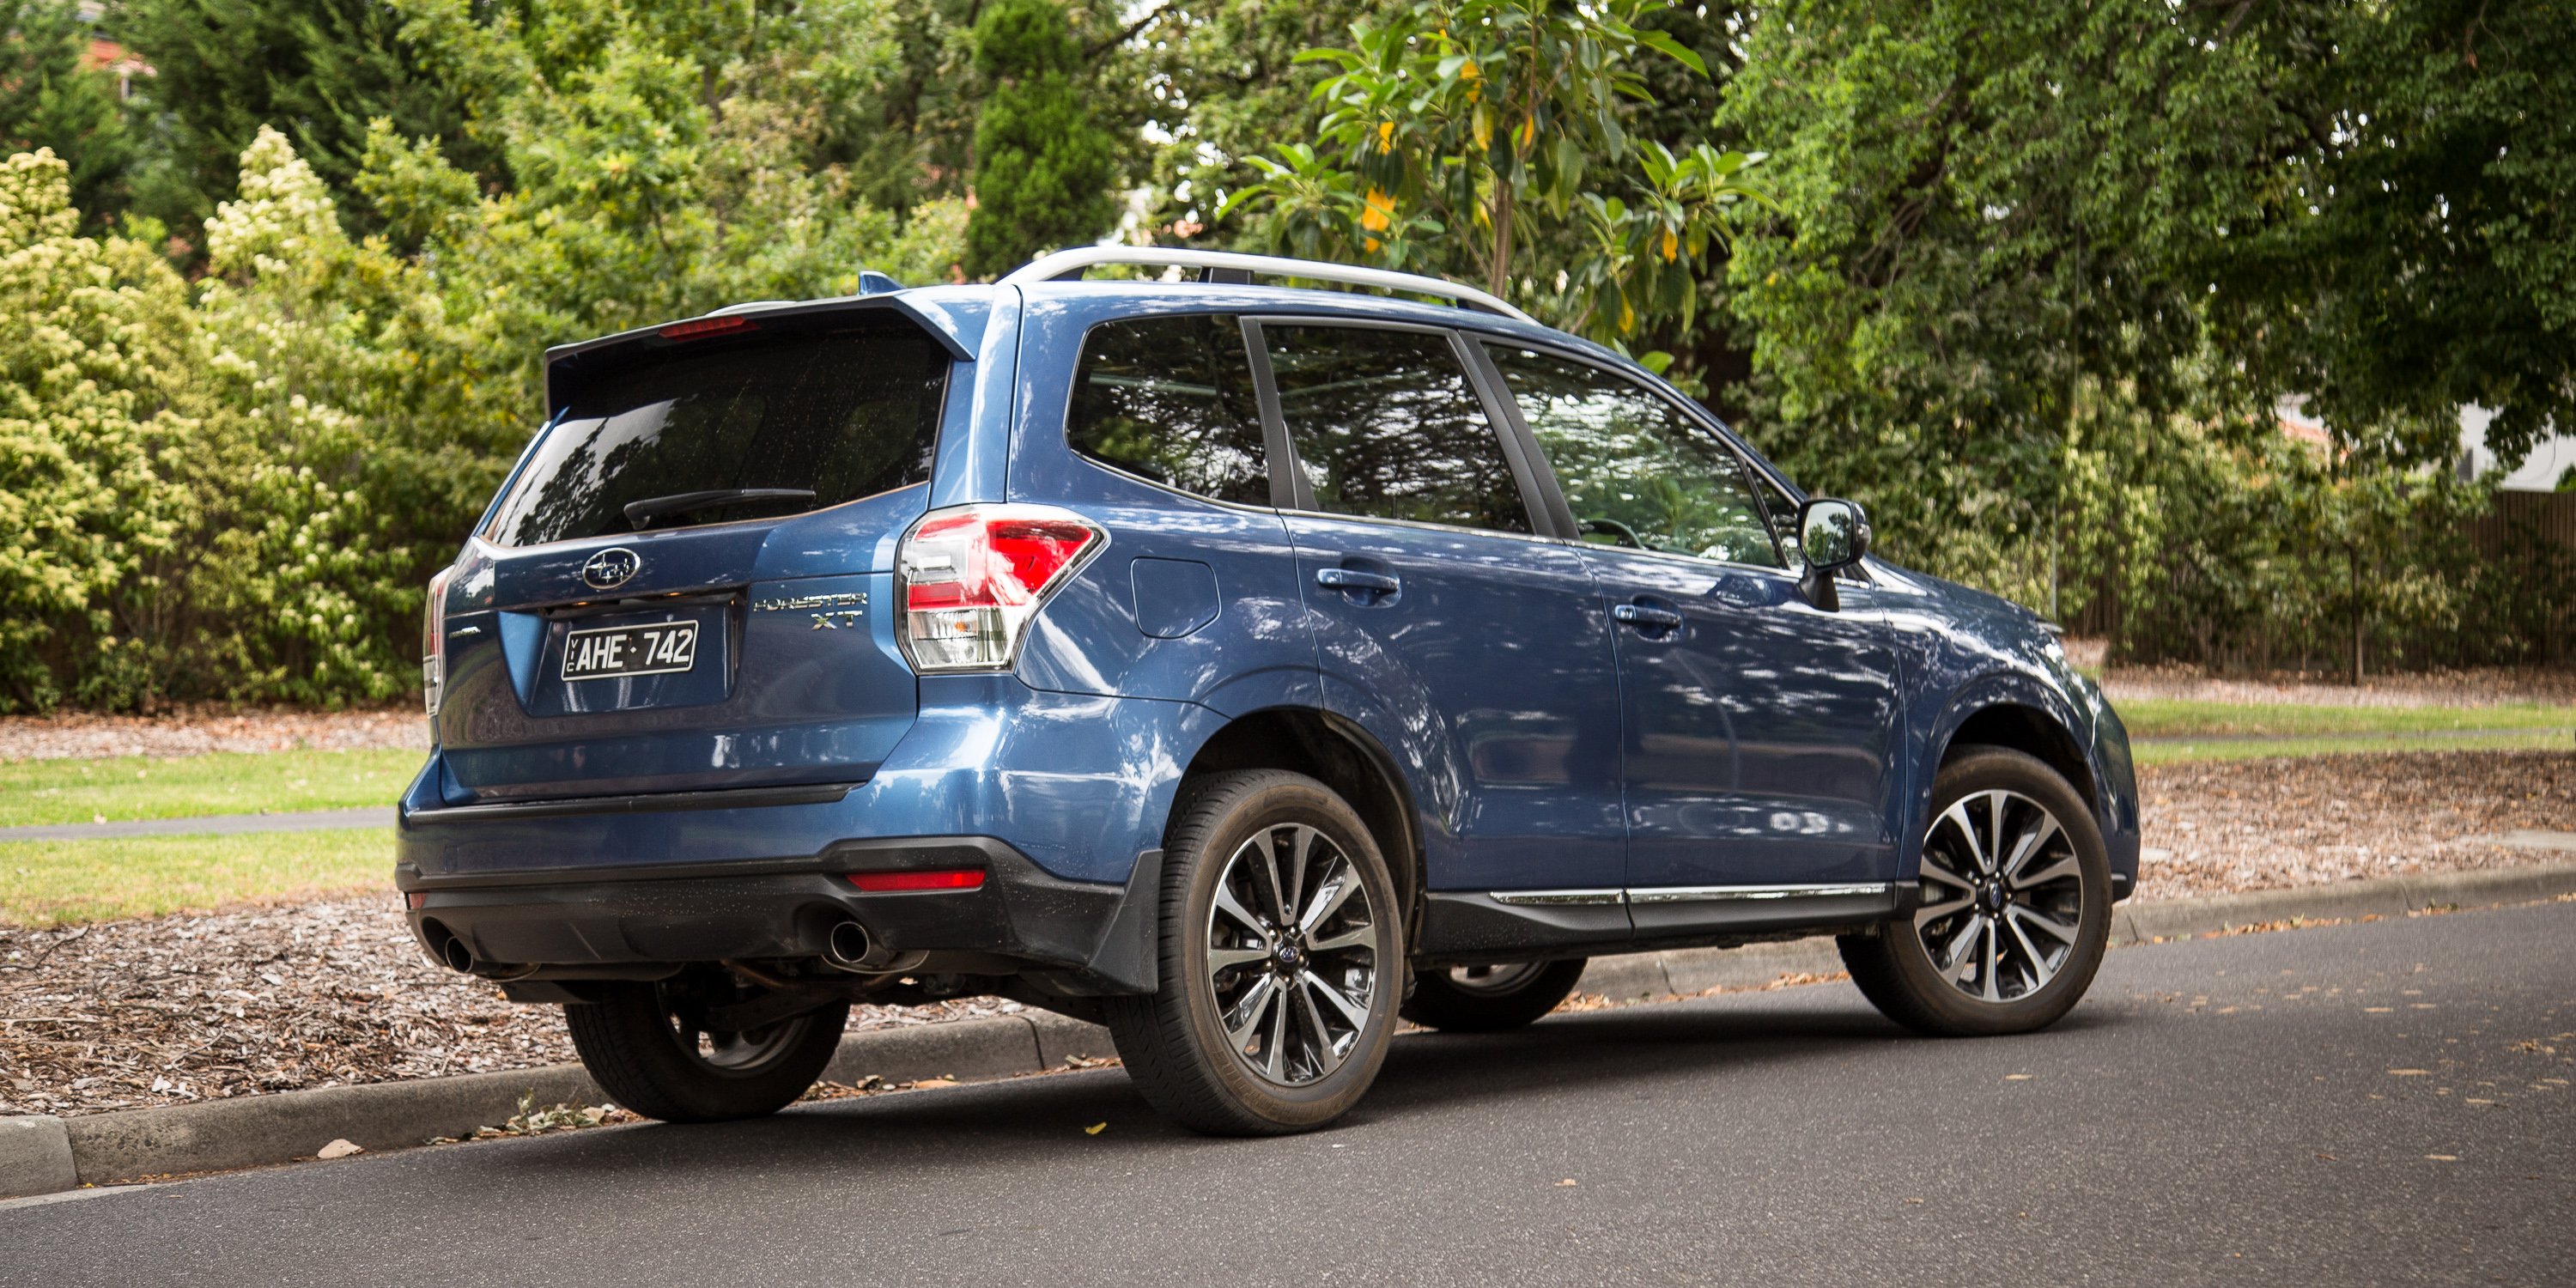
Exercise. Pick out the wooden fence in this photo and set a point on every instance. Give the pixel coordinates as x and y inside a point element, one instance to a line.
<point>2551,514</point>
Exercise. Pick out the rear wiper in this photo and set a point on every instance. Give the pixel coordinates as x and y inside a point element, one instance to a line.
<point>640,513</point>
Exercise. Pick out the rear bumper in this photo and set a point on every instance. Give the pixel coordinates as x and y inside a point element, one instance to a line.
<point>624,922</point>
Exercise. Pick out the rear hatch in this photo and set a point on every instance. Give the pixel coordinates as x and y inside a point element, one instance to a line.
<point>685,586</point>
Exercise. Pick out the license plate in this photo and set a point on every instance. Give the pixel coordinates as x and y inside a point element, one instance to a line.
<point>613,652</point>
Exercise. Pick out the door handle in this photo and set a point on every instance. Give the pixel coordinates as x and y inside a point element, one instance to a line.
<point>1357,582</point>
<point>1647,619</point>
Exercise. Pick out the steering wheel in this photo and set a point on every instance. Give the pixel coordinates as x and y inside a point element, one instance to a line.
<point>1625,535</point>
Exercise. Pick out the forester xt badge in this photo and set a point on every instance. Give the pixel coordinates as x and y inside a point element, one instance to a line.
<point>846,610</point>
<point>611,568</point>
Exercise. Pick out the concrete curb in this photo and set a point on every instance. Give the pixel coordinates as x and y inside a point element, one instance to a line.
<point>40,1155</point>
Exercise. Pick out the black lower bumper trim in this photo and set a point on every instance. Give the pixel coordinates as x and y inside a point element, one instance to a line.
<point>568,921</point>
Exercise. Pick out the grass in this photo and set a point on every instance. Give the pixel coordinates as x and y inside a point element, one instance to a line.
<point>36,792</point>
<point>61,883</point>
<point>2166,751</point>
<point>2180,718</point>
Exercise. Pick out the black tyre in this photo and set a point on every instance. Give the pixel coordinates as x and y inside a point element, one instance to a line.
<point>2015,909</point>
<point>651,1048</point>
<point>1488,999</point>
<point>1281,959</point>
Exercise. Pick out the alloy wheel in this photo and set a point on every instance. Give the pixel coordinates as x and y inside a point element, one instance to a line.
<point>2002,896</point>
<point>1292,954</point>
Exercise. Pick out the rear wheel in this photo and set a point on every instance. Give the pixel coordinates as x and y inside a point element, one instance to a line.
<point>1281,957</point>
<point>656,1050</point>
<point>1487,999</point>
<point>2015,907</point>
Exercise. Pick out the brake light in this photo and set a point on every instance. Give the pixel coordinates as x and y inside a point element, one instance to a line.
<point>894,882</point>
<point>433,641</point>
<point>696,327</point>
<point>973,577</point>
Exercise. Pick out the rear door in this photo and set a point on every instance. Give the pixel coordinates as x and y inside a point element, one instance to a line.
<point>685,586</point>
<point>1472,647</point>
<point>1759,730</point>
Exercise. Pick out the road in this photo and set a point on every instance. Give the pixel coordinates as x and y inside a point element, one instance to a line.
<point>2383,1103</point>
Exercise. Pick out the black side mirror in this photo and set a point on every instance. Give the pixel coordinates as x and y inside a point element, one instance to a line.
<point>1832,535</point>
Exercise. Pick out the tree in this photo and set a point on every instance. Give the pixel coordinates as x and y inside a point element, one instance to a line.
<point>50,100</point>
<point>1490,137</point>
<point>316,70</point>
<point>1045,170</point>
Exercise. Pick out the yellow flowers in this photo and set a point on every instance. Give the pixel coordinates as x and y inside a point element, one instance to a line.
<point>1386,136</point>
<point>1672,247</point>
<point>1377,213</point>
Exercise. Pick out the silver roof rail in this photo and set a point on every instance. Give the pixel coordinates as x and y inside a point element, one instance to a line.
<point>1070,263</point>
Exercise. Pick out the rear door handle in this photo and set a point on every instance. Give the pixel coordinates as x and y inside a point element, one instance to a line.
<point>1352,579</point>
<point>1647,619</point>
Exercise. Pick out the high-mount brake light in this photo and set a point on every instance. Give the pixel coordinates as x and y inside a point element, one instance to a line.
<point>698,327</point>
<point>433,641</point>
<point>972,577</point>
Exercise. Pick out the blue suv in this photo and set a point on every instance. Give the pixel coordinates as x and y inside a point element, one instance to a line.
<point>1243,667</point>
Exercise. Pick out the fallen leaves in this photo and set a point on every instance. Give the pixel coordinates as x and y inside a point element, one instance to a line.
<point>1095,1129</point>
<point>338,1149</point>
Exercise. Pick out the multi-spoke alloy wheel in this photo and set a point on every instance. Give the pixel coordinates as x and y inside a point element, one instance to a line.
<point>1280,959</point>
<point>2014,909</point>
<point>1489,998</point>
<point>1292,954</point>
<point>654,1049</point>
<point>2003,895</point>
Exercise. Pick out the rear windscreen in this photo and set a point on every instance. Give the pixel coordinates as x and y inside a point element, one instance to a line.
<point>666,442</point>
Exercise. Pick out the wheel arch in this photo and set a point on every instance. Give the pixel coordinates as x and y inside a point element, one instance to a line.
<point>2011,712</point>
<point>1342,756</point>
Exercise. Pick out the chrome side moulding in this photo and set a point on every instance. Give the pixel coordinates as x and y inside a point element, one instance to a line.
<point>1713,894</point>
<point>1557,898</point>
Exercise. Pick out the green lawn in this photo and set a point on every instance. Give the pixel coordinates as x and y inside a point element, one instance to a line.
<point>2163,751</point>
<point>2177,718</point>
<point>57,883</point>
<point>131,787</point>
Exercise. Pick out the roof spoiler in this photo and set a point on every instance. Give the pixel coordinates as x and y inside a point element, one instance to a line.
<point>565,361</point>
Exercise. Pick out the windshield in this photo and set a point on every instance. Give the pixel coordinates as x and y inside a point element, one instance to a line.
<point>753,428</point>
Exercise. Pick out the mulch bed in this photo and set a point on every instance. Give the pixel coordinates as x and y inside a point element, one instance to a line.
<point>191,731</point>
<point>185,1008</point>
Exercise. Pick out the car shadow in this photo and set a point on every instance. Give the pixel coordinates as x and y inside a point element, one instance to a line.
<point>1038,1118</point>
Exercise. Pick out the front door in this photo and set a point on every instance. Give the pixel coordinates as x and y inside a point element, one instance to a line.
<point>1759,731</point>
<point>1468,645</point>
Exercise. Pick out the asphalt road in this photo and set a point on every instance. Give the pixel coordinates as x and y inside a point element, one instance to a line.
<point>2385,1103</point>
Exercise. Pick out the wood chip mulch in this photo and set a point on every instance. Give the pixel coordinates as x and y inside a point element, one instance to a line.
<point>191,731</point>
<point>186,1008</point>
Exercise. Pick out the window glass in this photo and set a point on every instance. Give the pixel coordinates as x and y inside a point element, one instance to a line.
<point>1171,399</point>
<point>714,431</point>
<point>1784,513</point>
<point>1385,424</point>
<point>1633,469</point>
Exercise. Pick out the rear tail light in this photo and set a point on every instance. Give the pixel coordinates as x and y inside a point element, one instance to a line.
<point>973,576</point>
<point>433,641</point>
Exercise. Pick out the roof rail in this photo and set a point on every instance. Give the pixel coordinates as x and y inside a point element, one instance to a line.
<point>1068,264</point>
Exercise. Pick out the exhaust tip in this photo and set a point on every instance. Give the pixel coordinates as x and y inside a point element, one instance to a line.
<point>445,948</point>
<point>847,946</point>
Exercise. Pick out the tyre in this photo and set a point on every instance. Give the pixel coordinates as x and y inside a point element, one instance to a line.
<point>1488,999</point>
<point>650,1046</point>
<point>2015,909</point>
<point>1281,958</point>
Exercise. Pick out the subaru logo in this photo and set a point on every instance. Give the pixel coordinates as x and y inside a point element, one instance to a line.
<point>611,568</point>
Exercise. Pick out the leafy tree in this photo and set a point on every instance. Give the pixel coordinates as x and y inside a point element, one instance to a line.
<point>1482,134</point>
<point>316,70</point>
<point>1045,170</point>
<point>48,99</point>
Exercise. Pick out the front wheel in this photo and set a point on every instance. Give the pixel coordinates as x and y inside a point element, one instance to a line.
<point>1489,999</point>
<point>1281,958</point>
<point>2015,907</point>
<point>655,1051</point>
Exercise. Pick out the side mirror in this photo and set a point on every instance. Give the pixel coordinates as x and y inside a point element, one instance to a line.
<point>1832,535</point>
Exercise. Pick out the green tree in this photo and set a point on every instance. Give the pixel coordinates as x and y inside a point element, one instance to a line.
<point>48,99</point>
<point>316,70</point>
<point>1045,169</point>
<point>1490,138</point>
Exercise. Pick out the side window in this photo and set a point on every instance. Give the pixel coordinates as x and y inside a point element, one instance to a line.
<point>1633,469</point>
<point>1171,399</point>
<point>1386,425</point>
<point>1784,514</point>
